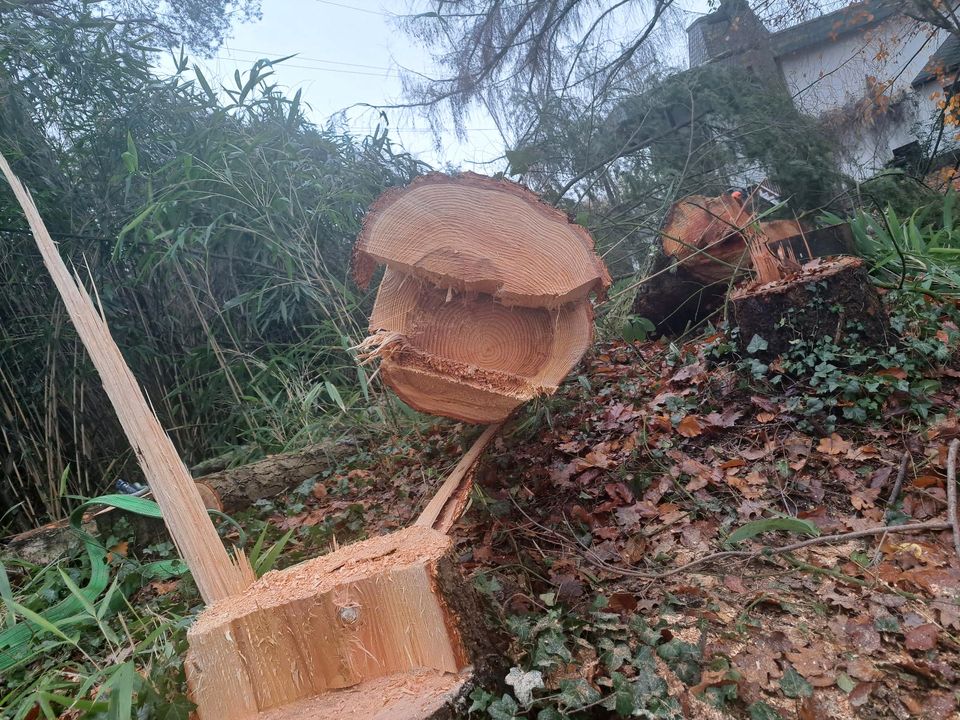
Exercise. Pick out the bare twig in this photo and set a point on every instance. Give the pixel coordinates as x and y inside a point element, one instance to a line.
<point>952,493</point>
<point>901,476</point>
<point>747,554</point>
<point>750,554</point>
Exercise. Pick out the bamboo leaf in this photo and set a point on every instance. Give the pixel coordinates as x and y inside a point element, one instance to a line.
<point>795,526</point>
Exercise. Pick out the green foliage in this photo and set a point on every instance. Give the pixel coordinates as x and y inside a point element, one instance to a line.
<point>89,660</point>
<point>217,235</point>
<point>793,684</point>
<point>782,524</point>
<point>918,249</point>
<point>851,378</point>
<point>904,194</point>
<point>628,651</point>
<point>732,120</point>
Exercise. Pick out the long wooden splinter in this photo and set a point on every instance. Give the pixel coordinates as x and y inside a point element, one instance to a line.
<point>217,575</point>
<point>447,505</point>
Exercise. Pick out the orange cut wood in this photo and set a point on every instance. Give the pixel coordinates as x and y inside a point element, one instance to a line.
<point>484,303</point>
<point>390,615</point>
<point>469,357</point>
<point>474,233</point>
<point>705,231</point>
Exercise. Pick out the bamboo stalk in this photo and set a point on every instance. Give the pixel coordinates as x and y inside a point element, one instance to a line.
<point>217,574</point>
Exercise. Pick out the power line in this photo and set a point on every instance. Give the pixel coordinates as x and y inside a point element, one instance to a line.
<point>261,53</point>
<point>311,67</point>
<point>354,7</point>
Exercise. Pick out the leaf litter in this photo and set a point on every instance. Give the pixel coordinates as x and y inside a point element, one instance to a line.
<point>632,531</point>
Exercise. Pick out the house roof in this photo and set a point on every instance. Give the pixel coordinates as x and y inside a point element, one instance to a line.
<point>945,59</point>
<point>829,27</point>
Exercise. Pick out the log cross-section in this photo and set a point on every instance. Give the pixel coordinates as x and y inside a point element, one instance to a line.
<point>485,300</point>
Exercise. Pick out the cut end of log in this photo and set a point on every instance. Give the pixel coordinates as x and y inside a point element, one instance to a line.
<point>419,695</point>
<point>381,612</point>
<point>472,233</point>
<point>466,355</point>
<point>711,225</point>
<point>484,304</point>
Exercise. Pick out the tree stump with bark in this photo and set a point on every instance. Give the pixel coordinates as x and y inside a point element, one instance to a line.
<point>833,299</point>
<point>703,252</point>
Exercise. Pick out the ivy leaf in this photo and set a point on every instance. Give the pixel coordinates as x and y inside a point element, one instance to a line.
<point>481,700</point>
<point>845,683</point>
<point>576,694</point>
<point>550,647</point>
<point>785,524</point>
<point>614,654</point>
<point>503,709</point>
<point>549,714</point>
<point>683,658</point>
<point>524,683</point>
<point>622,700</point>
<point>761,711</point>
<point>178,708</point>
<point>487,584</point>
<point>793,685</point>
<point>757,344</point>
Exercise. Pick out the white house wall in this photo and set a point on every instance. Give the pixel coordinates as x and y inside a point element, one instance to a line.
<point>833,75</point>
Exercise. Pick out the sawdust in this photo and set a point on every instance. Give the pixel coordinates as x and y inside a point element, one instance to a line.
<point>410,696</point>
<point>314,577</point>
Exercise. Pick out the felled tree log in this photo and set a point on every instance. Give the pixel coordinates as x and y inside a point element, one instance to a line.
<point>385,628</point>
<point>485,300</point>
<point>229,490</point>
<point>240,487</point>
<point>704,251</point>
<point>832,299</point>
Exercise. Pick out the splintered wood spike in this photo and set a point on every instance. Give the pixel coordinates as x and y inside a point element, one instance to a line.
<point>216,573</point>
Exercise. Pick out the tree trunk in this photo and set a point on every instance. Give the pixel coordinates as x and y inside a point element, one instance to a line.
<point>240,487</point>
<point>385,628</point>
<point>700,270</point>
<point>835,299</point>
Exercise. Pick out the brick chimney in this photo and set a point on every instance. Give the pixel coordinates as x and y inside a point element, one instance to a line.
<point>733,35</point>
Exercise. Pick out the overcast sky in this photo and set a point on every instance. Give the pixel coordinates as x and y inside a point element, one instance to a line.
<point>349,52</point>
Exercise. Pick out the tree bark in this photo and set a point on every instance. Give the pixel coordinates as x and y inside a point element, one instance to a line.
<point>835,300</point>
<point>238,488</point>
<point>695,284</point>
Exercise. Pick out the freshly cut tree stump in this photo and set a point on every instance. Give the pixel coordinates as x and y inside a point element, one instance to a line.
<point>385,628</point>
<point>832,299</point>
<point>485,300</point>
